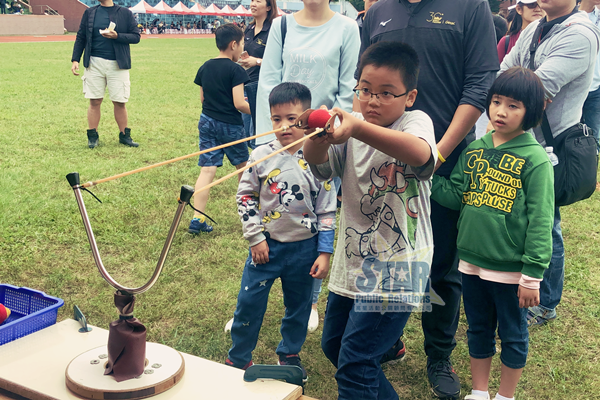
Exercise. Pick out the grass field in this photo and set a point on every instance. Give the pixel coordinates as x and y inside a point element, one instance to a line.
<point>43,243</point>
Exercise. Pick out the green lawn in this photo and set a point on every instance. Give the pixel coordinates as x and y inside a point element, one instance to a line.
<point>43,243</point>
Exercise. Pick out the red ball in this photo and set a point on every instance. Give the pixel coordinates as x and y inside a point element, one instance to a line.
<point>318,118</point>
<point>4,313</point>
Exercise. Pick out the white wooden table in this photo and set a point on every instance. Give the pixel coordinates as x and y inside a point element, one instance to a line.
<point>34,367</point>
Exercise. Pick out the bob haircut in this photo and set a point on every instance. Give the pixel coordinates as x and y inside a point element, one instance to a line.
<point>396,56</point>
<point>523,85</point>
<point>226,34</point>
<point>271,14</point>
<point>290,93</point>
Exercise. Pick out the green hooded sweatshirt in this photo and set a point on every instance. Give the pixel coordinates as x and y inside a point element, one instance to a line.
<point>505,195</point>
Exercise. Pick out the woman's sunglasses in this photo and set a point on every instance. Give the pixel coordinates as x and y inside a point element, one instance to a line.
<point>531,6</point>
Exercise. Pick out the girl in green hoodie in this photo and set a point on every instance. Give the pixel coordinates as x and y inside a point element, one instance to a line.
<point>503,185</point>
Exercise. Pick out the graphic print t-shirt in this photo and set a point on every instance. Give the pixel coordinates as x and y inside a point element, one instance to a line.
<point>218,77</point>
<point>385,241</point>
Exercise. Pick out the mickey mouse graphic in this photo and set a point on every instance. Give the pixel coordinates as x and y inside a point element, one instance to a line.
<point>248,206</point>
<point>285,195</point>
<point>308,224</point>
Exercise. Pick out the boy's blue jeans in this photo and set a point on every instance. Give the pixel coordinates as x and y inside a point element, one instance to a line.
<point>354,342</point>
<point>292,263</point>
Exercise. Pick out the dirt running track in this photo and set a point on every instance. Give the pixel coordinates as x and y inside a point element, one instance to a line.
<point>71,38</point>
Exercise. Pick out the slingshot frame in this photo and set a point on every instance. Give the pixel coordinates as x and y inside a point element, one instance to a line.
<point>184,199</point>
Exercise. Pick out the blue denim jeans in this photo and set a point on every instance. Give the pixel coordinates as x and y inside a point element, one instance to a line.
<point>551,287</point>
<point>489,305</point>
<point>591,114</point>
<point>291,262</point>
<point>354,342</point>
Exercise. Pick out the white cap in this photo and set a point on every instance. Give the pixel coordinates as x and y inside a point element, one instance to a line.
<point>522,2</point>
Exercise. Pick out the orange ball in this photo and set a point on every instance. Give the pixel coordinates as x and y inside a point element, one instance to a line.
<point>4,313</point>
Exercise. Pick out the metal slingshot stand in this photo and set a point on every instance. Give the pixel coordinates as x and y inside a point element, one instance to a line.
<point>164,366</point>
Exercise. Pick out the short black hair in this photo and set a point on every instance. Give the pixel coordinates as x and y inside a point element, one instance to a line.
<point>395,56</point>
<point>226,34</point>
<point>523,85</point>
<point>290,92</point>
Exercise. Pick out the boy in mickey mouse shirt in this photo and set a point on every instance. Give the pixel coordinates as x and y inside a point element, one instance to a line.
<point>288,218</point>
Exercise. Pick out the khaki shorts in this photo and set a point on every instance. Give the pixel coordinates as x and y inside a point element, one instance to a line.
<point>106,73</point>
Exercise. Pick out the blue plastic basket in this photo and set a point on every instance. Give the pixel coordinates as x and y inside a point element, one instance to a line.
<point>31,310</point>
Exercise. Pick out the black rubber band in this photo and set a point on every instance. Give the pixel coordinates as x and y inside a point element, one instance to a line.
<point>91,194</point>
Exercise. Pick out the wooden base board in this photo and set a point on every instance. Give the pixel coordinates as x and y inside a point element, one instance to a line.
<point>85,375</point>
<point>34,367</point>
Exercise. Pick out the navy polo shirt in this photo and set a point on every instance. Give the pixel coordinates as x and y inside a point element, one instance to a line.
<point>255,46</point>
<point>456,44</point>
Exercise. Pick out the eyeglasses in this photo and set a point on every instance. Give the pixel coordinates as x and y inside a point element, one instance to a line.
<point>531,6</point>
<point>365,94</point>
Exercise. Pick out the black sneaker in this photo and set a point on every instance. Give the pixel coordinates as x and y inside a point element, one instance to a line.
<point>293,359</point>
<point>443,380</point>
<point>395,354</point>
<point>92,135</point>
<point>125,138</point>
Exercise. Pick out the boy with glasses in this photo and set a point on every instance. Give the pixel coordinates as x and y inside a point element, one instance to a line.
<point>385,158</point>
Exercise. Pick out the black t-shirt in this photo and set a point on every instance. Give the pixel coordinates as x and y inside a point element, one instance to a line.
<point>218,77</point>
<point>454,39</point>
<point>101,46</point>
<point>255,46</point>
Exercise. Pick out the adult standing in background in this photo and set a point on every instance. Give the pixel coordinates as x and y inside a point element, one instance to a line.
<point>566,54</point>
<point>2,6</point>
<point>591,107</point>
<point>107,62</point>
<point>320,51</point>
<point>527,11</point>
<point>255,42</point>
<point>456,44</point>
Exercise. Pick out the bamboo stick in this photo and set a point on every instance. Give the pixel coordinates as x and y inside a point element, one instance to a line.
<point>135,171</point>
<point>239,171</point>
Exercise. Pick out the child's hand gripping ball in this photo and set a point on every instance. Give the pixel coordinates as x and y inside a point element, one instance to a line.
<point>4,313</point>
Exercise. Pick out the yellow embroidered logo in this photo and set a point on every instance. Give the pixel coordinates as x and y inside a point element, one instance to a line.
<point>492,187</point>
<point>436,18</point>
<point>260,42</point>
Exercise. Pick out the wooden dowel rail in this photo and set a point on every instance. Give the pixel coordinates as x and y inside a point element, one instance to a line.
<point>239,171</point>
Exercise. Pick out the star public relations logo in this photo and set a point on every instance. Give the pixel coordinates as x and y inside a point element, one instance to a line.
<point>399,286</point>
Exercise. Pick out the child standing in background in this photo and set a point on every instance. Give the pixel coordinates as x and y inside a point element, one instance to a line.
<point>221,82</point>
<point>503,186</point>
<point>288,218</point>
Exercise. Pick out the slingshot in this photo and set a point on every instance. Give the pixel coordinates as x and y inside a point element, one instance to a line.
<point>127,354</point>
<point>309,119</point>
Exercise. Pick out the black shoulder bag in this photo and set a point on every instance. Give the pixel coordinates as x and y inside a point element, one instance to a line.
<point>575,173</point>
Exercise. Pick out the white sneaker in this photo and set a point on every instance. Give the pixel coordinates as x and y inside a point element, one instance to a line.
<point>313,321</point>
<point>228,325</point>
<point>476,397</point>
